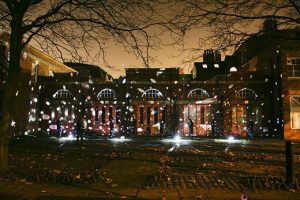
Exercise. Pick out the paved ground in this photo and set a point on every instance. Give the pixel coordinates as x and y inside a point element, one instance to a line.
<point>147,168</point>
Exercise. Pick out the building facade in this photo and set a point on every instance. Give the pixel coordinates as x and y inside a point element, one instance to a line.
<point>255,92</point>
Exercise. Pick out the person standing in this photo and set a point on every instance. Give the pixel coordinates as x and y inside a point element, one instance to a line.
<point>79,132</point>
<point>191,127</point>
<point>213,127</point>
<point>58,127</point>
<point>111,128</point>
<point>250,126</point>
<point>161,129</point>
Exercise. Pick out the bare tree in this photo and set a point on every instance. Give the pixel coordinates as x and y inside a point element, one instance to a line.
<point>68,27</point>
<point>227,24</point>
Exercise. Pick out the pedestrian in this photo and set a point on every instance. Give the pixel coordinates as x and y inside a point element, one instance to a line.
<point>134,127</point>
<point>191,127</point>
<point>213,127</point>
<point>161,129</point>
<point>58,127</point>
<point>250,126</point>
<point>79,131</point>
<point>111,128</point>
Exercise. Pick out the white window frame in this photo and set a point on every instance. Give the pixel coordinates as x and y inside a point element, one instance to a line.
<point>291,67</point>
<point>152,93</point>
<point>194,94</point>
<point>63,93</point>
<point>246,93</point>
<point>106,93</point>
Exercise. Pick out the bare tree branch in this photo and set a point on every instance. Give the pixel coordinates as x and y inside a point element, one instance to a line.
<point>230,22</point>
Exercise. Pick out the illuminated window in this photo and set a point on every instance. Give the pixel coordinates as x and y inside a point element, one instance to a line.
<point>66,114</point>
<point>246,93</point>
<point>63,93</point>
<point>295,112</point>
<point>238,115</point>
<point>293,65</point>
<point>216,66</point>
<point>155,115</point>
<point>106,93</point>
<point>204,66</point>
<point>152,93</point>
<point>198,93</point>
<point>202,115</point>
<point>233,69</point>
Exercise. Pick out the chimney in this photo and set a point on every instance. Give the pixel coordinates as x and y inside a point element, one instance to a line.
<point>208,56</point>
<point>217,56</point>
<point>270,24</point>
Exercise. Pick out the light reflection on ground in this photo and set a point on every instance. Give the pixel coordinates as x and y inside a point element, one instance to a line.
<point>231,140</point>
<point>120,140</point>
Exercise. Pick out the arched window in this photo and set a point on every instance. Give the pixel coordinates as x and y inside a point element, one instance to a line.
<point>63,93</point>
<point>198,93</point>
<point>233,69</point>
<point>106,93</point>
<point>246,93</point>
<point>152,93</point>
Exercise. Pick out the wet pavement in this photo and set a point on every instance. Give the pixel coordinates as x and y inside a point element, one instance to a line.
<point>147,168</point>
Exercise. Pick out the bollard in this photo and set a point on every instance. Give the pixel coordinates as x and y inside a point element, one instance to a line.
<point>290,168</point>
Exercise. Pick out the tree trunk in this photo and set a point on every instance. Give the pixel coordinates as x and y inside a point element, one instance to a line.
<point>10,90</point>
<point>7,105</point>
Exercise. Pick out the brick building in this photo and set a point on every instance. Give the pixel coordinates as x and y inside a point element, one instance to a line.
<point>255,89</point>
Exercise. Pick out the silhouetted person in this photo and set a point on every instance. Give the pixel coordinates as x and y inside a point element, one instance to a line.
<point>58,128</point>
<point>161,129</point>
<point>250,126</point>
<point>111,128</point>
<point>191,128</point>
<point>133,133</point>
<point>278,127</point>
<point>79,131</point>
<point>213,128</point>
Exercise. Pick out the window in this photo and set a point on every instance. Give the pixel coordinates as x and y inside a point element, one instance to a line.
<point>97,114</point>
<point>141,116</point>
<point>106,93</point>
<point>66,117</point>
<point>233,69</point>
<point>198,93</point>
<point>110,113</point>
<point>35,70</point>
<point>152,93</point>
<point>295,112</point>
<point>155,115</point>
<point>148,115</point>
<point>238,115</point>
<point>246,93</point>
<point>103,115</point>
<point>202,115</point>
<point>63,93</point>
<point>293,65</point>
